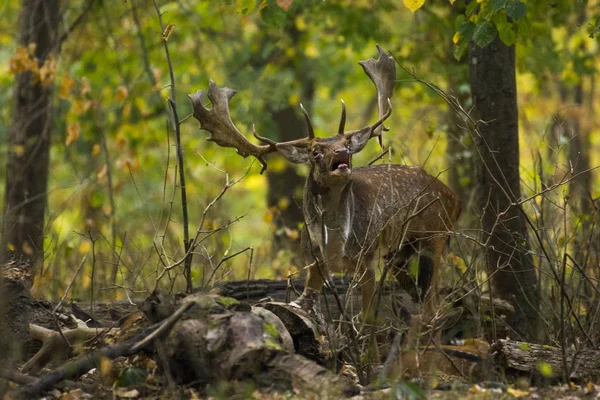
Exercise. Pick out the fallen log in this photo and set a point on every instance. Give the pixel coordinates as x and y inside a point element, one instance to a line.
<point>542,361</point>
<point>55,345</point>
<point>210,339</point>
<point>216,343</point>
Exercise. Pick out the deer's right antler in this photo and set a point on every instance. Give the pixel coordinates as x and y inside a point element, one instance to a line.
<point>223,132</point>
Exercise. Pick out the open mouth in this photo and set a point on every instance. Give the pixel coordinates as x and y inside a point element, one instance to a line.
<point>341,162</point>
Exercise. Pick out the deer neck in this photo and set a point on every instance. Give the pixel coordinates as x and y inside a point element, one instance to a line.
<point>333,201</point>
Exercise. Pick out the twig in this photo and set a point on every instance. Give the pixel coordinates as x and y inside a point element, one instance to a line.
<point>164,327</point>
<point>70,285</point>
<point>223,259</point>
<point>177,125</point>
<point>75,23</point>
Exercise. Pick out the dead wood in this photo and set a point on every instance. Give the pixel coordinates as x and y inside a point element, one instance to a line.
<point>23,379</point>
<point>77,368</point>
<point>55,345</point>
<point>214,343</point>
<point>532,359</point>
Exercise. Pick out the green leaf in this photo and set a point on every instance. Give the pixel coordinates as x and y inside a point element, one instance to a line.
<point>524,28</point>
<point>132,377</point>
<point>273,16</point>
<point>484,33</point>
<point>461,49</point>
<point>471,8</point>
<point>498,5</point>
<point>458,21</point>
<point>466,30</point>
<point>516,10</point>
<point>507,33</point>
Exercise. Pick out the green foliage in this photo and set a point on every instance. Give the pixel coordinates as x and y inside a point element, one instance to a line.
<point>111,115</point>
<point>131,377</point>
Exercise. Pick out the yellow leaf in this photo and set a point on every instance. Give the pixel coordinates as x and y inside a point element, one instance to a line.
<point>66,83</point>
<point>300,23</point>
<point>127,110</point>
<point>293,99</point>
<point>73,131</point>
<point>85,86</point>
<point>456,38</point>
<point>278,164</point>
<point>47,72</point>
<point>452,1</point>
<point>21,61</point>
<point>121,142</point>
<point>121,94</point>
<point>80,106</point>
<point>268,217</point>
<point>168,30</point>
<point>85,247</point>
<point>255,182</point>
<point>102,173</point>
<point>311,50</point>
<point>413,5</point>
<point>18,149</point>
<point>86,281</point>
<point>283,203</point>
<point>107,209</point>
<point>517,393</point>
<point>96,149</point>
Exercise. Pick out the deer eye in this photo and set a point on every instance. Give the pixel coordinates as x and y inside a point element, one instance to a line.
<point>315,152</point>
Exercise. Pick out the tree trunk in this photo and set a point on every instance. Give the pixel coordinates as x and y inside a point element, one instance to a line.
<point>459,156</point>
<point>29,138</point>
<point>284,197</point>
<point>580,188</point>
<point>494,92</point>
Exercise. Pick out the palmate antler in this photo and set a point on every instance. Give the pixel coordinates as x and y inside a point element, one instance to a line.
<point>218,122</point>
<point>223,132</point>
<point>383,74</point>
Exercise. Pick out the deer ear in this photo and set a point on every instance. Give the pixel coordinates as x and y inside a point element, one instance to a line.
<point>293,153</point>
<point>359,139</point>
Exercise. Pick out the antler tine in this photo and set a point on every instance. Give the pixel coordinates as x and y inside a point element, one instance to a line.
<point>217,122</point>
<point>383,74</point>
<point>342,119</point>
<point>270,142</point>
<point>376,125</point>
<point>311,132</point>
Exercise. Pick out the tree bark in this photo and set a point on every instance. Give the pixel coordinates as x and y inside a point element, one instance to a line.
<point>494,92</point>
<point>29,138</point>
<point>284,196</point>
<point>523,357</point>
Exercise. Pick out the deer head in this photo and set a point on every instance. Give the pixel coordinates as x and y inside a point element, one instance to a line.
<point>330,158</point>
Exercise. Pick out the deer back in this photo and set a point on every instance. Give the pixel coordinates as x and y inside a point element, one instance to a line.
<point>380,205</point>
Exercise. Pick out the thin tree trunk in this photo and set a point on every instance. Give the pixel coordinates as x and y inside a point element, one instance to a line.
<point>285,187</point>
<point>29,138</point>
<point>494,91</point>
<point>580,197</point>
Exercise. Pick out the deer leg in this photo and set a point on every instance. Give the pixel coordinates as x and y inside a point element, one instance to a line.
<point>430,254</point>
<point>316,273</point>
<point>398,261</point>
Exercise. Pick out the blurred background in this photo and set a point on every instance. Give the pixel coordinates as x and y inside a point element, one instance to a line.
<point>113,195</point>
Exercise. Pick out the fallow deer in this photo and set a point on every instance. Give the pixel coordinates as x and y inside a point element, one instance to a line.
<point>353,214</point>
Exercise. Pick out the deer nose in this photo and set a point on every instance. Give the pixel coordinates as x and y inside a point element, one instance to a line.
<point>342,151</point>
